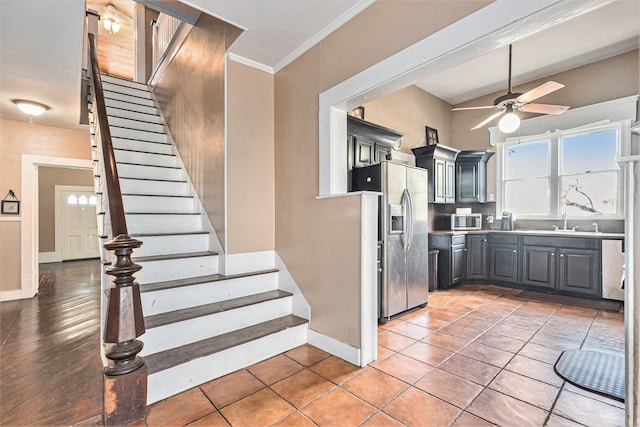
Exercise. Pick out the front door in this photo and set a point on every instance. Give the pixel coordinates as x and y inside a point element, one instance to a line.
<point>79,225</point>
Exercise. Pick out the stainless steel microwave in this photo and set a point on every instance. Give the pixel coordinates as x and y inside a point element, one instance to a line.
<point>463,222</point>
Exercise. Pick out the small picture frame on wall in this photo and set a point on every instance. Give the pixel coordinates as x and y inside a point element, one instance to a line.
<point>11,207</point>
<point>431,135</point>
<point>357,112</point>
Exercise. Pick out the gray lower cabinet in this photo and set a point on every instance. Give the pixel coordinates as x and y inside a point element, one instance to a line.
<point>503,258</point>
<point>452,259</point>
<point>539,266</point>
<point>579,271</point>
<point>477,267</point>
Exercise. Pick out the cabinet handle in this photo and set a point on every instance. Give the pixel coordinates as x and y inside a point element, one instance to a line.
<point>561,255</point>
<point>552,254</point>
<point>514,251</point>
<point>465,249</point>
<point>484,240</point>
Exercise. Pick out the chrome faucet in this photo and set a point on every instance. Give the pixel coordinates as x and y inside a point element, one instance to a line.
<point>564,220</point>
<point>595,227</point>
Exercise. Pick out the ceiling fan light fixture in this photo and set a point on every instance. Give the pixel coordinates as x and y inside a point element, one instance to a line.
<point>510,122</point>
<point>30,107</point>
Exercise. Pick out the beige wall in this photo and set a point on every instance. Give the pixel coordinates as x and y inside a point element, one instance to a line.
<point>48,178</point>
<point>191,96</point>
<point>319,240</point>
<point>250,160</point>
<point>408,111</point>
<point>16,139</point>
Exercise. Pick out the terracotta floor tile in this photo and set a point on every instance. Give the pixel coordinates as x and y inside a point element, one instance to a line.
<point>391,323</point>
<point>565,331</point>
<point>295,420</point>
<point>275,369</point>
<point>260,409</point>
<point>381,420</point>
<point>448,342</point>
<point>336,370</point>
<point>470,369</point>
<point>417,408</point>
<point>558,421</point>
<point>503,410</point>
<point>375,387</point>
<point>428,322</point>
<point>501,342</point>
<point>484,353</point>
<point>404,368</point>
<point>393,341</point>
<point>211,420</point>
<point>384,352</point>
<point>180,409</point>
<point>449,387</point>
<point>411,330</point>
<point>587,411</point>
<point>512,332</point>
<point>556,342</point>
<point>526,389</point>
<point>427,353</point>
<point>307,355</point>
<point>474,322</point>
<point>534,369</point>
<point>302,387</point>
<point>468,420</point>
<point>338,408</point>
<point>458,307</point>
<point>591,395</point>
<point>444,314</point>
<point>231,388</point>
<point>541,353</point>
<point>605,343</point>
<point>522,322</point>
<point>462,331</point>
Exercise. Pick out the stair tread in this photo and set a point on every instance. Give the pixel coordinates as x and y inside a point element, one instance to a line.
<point>180,233</point>
<point>143,152</point>
<point>156,195</point>
<point>170,317</point>
<point>166,359</point>
<point>139,130</point>
<point>173,256</point>
<point>158,286</point>
<point>120,138</point>
<point>162,213</point>
<point>149,166</point>
<point>152,179</point>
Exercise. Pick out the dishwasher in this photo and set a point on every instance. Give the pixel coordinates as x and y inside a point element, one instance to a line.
<point>612,269</point>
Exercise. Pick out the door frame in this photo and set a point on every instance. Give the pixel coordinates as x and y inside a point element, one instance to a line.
<point>29,245</point>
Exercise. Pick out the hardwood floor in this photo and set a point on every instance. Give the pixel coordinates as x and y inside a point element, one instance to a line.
<point>50,367</point>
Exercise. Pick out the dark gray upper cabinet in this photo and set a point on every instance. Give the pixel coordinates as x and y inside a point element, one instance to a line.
<point>471,176</point>
<point>440,162</point>
<point>477,257</point>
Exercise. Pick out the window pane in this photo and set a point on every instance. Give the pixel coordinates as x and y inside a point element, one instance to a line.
<point>92,200</point>
<point>530,197</point>
<point>595,151</point>
<point>590,194</point>
<point>82,200</point>
<point>529,159</point>
<point>72,200</point>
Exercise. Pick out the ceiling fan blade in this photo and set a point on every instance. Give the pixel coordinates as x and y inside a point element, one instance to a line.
<point>544,108</point>
<point>537,92</point>
<point>487,120</point>
<point>484,107</point>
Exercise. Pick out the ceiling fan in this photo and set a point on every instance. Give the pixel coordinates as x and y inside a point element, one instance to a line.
<point>521,102</point>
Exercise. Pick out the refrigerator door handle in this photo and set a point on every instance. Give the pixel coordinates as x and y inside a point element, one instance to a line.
<point>404,201</point>
<point>409,219</point>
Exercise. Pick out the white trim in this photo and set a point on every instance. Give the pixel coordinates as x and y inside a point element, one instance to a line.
<point>249,62</point>
<point>248,261</point>
<point>300,306</point>
<point>11,295</point>
<point>342,19</point>
<point>46,257</point>
<point>16,218</point>
<point>369,280</point>
<point>333,346</point>
<point>29,250</point>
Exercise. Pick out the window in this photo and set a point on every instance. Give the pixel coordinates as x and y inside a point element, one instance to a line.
<point>573,172</point>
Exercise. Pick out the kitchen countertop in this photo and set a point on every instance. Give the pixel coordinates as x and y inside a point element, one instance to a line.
<point>546,233</point>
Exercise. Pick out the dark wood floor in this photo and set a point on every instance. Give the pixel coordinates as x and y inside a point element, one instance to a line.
<point>50,367</point>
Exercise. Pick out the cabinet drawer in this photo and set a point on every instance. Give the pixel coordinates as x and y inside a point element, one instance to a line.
<point>503,239</point>
<point>458,240</point>
<point>561,242</point>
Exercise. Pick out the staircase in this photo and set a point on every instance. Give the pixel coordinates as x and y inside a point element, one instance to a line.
<point>200,325</point>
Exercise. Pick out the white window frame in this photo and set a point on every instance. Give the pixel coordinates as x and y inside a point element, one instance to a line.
<point>555,158</point>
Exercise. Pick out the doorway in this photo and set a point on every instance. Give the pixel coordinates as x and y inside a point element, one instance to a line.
<point>76,225</point>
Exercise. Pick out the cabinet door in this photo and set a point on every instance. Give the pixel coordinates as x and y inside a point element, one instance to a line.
<point>450,182</point>
<point>504,263</point>
<point>539,266</point>
<point>476,257</point>
<point>458,263</point>
<point>579,271</point>
<point>440,181</point>
<point>381,153</point>
<point>467,182</point>
<point>364,154</point>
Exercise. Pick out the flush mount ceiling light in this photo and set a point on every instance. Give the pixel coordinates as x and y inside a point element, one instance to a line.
<point>509,122</point>
<point>30,107</point>
<point>109,20</point>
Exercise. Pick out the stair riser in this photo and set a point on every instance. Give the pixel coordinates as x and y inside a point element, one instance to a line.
<point>181,333</point>
<point>166,300</point>
<point>126,90</point>
<point>140,224</point>
<point>145,158</point>
<point>150,147</point>
<point>157,204</point>
<point>122,82</point>
<point>134,186</point>
<point>133,115</point>
<point>128,98</point>
<point>150,172</point>
<point>171,244</point>
<point>183,377</point>
<point>172,269</point>
<point>138,134</point>
<point>135,124</point>
<point>114,103</point>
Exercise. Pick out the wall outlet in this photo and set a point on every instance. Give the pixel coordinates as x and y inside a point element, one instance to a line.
<point>489,219</point>
<point>491,197</point>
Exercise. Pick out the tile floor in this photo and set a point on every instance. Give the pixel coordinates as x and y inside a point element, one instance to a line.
<point>477,355</point>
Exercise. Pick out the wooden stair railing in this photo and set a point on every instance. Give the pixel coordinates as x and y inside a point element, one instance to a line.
<point>125,377</point>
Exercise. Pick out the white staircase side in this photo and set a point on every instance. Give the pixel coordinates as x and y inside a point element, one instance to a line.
<point>150,186</point>
<point>142,158</point>
<point>123,82</point>
<point>142,223</point>
<point>158,173</point>
<point>146,146</point>
<point>158,204</point>
<point>167,244</point>
<point>166,268</point>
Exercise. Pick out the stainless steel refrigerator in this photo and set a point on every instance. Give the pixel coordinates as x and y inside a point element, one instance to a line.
<point>402,231</point>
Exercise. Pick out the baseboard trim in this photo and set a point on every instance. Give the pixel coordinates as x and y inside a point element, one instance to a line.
<point>45,257</point>
<point>335,347</point>
<point>248,261</point>
<point>11,295</point>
